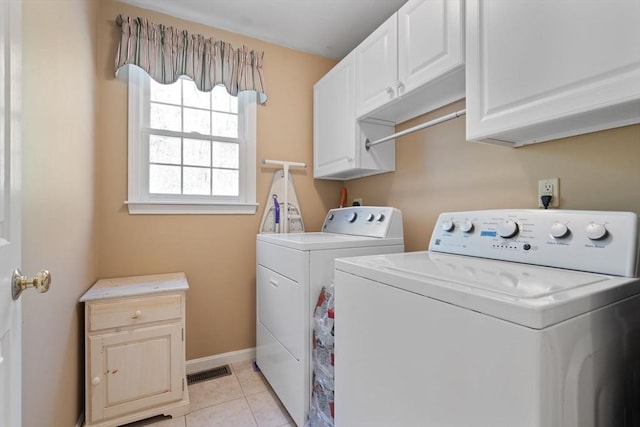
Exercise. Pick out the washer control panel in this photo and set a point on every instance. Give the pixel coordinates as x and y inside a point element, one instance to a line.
<point>594,241</point>
<point>371,221</point>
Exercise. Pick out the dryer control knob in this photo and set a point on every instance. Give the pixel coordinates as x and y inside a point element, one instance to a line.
<point>380,218</point>
<point>467,226</point>
<point>447,225</point>
<point>559,230</point>
<point>508,229</point>
<point>353,217</point>
<point>595,231</point>
<point>370,217</point>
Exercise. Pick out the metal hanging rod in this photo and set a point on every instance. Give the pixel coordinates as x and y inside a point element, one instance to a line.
<point>368,144</point>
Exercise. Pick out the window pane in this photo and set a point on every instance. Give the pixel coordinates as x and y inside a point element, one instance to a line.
<point>222,101</point>
<point>164,149</point>
<point>165,117</point>
<point>197,152</point>
<point>164,179</point>
<point>169,94</point>
<point>225,182</point>
<point>226,155</point>
<point>224,125</point>
<point>193,97</point>
<point>197,181</point>
<point>196,121</point>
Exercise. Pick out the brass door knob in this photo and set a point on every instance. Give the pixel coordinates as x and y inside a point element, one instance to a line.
<point>41,282</point>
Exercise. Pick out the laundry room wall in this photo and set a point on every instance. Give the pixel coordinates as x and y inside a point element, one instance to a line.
<point>59,46</point>
<point>217,252</point>
<point>437,170</point>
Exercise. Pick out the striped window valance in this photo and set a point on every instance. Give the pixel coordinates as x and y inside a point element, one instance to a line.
<point>166,53</point>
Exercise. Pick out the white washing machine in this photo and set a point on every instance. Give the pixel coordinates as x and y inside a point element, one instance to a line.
<point>291,271</point>
<point>513,318</point>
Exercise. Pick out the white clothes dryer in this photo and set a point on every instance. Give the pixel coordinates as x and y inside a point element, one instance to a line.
<point>291,271</point>
<point>513,318</point>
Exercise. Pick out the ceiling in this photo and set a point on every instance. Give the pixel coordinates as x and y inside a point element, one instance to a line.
<point>329,28</point>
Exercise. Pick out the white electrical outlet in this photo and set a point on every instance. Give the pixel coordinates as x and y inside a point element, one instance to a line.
<point>549,187</point>
<point>358,201</point>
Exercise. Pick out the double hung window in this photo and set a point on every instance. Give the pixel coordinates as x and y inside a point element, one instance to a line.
<point>190,151</point>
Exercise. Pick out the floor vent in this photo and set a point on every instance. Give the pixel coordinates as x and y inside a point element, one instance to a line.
<point>209,374</point>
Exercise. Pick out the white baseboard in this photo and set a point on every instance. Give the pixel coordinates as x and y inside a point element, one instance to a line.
<point>210,362</point>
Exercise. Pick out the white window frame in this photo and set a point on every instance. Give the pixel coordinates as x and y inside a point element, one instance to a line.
<point>140,201</point>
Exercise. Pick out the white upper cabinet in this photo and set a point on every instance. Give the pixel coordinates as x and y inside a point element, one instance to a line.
<point>413,63</point>
<point>338,138</point>
<point>542,70</point>
<point>377,67</point>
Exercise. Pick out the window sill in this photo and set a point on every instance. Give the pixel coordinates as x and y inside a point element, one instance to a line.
<point>178,208</point>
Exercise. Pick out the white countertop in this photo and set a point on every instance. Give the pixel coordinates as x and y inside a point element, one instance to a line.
<point>136,285</point>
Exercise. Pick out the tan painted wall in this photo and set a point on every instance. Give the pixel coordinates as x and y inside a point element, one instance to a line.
<point>438,171</point>
<point>217,252</point>
<point>59,229</point>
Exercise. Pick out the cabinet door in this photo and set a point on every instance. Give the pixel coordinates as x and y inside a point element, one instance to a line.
<point>135,369</point>
<point>544,70</point>
<point>377,68</point>
<point>430,41</point>
<point>334,123</point>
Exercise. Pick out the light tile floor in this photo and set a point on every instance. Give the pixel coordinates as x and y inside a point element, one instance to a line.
<point>242,399</point>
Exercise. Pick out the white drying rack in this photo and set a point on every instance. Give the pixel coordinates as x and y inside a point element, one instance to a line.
<point>285,166</point>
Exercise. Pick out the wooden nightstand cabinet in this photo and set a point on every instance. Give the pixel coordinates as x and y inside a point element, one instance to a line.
<point>135,352</point>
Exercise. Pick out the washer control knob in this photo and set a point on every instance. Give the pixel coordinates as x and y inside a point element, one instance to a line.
<point>352,217</point>
<point>380,218</point>
<point>508,229</point>
<point>370,217</point>
<point>447,225</point>
<point>467,226</point>
<point>559,230</point>
<point>595,231</point>
<point>330,217</point>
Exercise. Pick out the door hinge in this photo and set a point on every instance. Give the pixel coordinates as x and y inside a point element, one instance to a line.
<point>182,334</point>
<point>183,385</point>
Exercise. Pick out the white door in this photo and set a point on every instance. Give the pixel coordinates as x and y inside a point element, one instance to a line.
<point>334,123</point>
<point>10,227</point>
<point>430,41</point>
<point>377,67</point>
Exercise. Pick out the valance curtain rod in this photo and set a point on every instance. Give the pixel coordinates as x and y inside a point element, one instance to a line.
<point>368,144</point>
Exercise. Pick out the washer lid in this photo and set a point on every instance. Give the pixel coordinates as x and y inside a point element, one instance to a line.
<point>324,240</point>
<point>531,296</point>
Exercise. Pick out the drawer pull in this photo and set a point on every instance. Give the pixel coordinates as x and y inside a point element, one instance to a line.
<point>137,314</point>
<point>95,381</point>
<point>274,282</point>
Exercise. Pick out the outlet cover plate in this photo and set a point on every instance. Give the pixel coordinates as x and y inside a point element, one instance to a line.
<point>549,186</point>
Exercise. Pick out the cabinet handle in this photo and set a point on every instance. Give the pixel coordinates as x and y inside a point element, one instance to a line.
<point>273,282</point>
<point>390,90</point>
<point>137,314</point>
<point>95,381</point>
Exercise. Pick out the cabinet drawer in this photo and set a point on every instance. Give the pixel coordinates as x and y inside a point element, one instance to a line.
<point>134,311</point>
